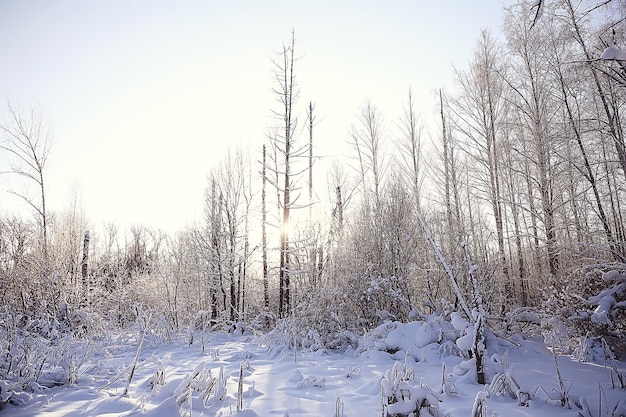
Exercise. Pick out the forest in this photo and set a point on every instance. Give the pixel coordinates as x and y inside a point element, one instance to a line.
<point>508,214</point>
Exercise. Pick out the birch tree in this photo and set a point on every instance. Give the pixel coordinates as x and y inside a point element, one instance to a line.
<point>480,110</point>
<point>534,101</point>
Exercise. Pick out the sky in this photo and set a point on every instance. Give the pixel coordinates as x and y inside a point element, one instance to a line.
<point>145,97</point>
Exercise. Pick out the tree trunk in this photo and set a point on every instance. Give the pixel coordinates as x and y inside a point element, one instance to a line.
<point>266,296</point>
<point>84,270</point>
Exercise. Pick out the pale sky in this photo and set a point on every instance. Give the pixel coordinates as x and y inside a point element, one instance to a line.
<point>146,96</point>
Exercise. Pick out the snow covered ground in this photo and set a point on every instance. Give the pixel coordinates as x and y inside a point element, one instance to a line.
<point>177,378</point>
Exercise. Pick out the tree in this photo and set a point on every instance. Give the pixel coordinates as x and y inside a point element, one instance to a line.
<point>27,137</point>
<point>286,92</point>
<point>367,140</point>
<point>480,110</point>
<point>16,238</point>
<point>410,145</point>
<point>85,263</point>
<point>266,295</point>
<point>576,125</point>
<point>534,96</point>
<point>451,192</point>
<point>208,245</point>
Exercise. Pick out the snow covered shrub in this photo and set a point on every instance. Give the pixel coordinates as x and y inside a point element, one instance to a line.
<point>523,321</point>
<point>322,320</point>
<point>611,302</point>
<point>304,381</point>
<point>200,382</point>
<point>560,333</point>
<point>156,382</point>
<point>283,338</point>
<point>39,352</point>
<point>402,397</point>
<point>409,337</point>
<point>593,303</point>
<point>23,355</point>
<point>386,300</point>
<point>433,336</point>
<point>592,349</point>
<point>72,357</point>
<point>609,314</point>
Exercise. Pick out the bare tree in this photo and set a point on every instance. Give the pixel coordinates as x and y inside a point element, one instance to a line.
<point>480,110</point>
<point>410,144</point>
<point>611,120</point>
<point>266,296</point>
<point>16,238</point>
<point>367,140</point>
<point>533,99</point>
<point>27,139</point>
<point>286,91</point>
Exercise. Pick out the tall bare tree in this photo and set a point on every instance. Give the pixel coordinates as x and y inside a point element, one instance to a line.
<point>410,145</point>
<point>286,92</point>
<point>266,295</point>
<point>480,110</point>
<point>534,94</point>
<point>27,137</point>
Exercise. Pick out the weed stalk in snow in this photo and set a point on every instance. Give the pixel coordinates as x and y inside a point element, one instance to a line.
<point>240,389</point>
<point>479,409</point>
<point>564,391</point>
<point>132,369</point>
<point>620,376</point>
<point>339,408</point>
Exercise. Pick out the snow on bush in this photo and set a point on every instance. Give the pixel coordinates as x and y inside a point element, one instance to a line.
<point>592,303</point>
<point>612,301</point>
<point>402,397</point>
<point>42,351</point>
<point>429,339</point>
<point>411,336</point>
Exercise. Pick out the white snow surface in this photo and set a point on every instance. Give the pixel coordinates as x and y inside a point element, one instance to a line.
<point>278,381</point>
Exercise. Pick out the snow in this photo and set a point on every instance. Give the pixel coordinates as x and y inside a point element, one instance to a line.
<point>465,342</point>
<point>403,370</point>
<point>410,337</point>
<point>613,53</point>
<point>606,301</point>
<point>459,322</point>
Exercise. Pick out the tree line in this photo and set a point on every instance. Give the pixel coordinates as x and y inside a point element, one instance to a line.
<point>521,185</point>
